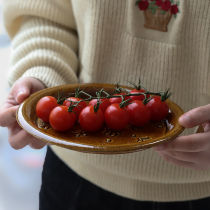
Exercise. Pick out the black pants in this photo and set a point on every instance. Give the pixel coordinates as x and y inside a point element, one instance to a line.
<point>63,189</point>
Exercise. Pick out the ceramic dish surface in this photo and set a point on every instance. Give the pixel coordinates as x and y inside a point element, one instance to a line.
<point>105,140</point>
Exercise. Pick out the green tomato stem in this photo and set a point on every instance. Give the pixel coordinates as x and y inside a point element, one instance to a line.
<point>117,96</point>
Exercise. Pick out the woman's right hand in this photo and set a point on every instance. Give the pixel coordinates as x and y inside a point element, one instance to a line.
<point>22,89</point>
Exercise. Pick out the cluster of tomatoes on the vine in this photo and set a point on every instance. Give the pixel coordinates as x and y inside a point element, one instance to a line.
<point>136,107</point>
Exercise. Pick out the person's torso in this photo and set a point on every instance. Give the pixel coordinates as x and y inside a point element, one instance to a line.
<point>120,42</point>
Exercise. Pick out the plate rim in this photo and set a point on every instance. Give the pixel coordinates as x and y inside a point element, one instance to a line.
<point>103,149</point>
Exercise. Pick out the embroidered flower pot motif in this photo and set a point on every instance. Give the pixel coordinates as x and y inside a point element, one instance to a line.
<point>158,13</point>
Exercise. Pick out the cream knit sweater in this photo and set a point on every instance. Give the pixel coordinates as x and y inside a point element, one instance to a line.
<point>105,41</point>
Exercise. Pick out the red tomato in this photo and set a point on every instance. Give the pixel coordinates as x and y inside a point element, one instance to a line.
<point>118,100</point>
<point>44,106</point>
<point>159,109</point>
<point>139,113</point>
<point>61,119</point>
<point>115,117</point>
<point>103,106</point>
<point>90,120</point>
<point>77,109</point>
<point>140,97</point>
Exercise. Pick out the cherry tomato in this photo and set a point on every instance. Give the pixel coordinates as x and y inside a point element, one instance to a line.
<point>61,119</point>
<point>159,109</point>
<point>118,100</point>
<point>115,117</point>
<point>77,109</point>
<point>139,113</point>
<point>140,97</point>
<point>90,120</point>
<point>44,106</point>
<point>103,106</point>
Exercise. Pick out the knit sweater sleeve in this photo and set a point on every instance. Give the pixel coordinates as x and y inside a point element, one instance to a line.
<point>44,40</point>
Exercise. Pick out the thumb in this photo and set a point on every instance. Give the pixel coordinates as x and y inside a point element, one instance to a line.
<point>21,94</point>
<point>24,87</point>
<point>195,117</point>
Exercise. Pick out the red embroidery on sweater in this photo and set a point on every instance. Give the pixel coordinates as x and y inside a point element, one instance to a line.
<point>158,13</point>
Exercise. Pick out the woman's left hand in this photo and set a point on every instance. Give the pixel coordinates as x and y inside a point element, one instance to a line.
<point>192,151</point>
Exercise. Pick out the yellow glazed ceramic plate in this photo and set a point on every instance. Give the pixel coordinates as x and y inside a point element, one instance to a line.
<point>105,140</point>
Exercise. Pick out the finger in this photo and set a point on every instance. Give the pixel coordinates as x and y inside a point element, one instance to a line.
<point>193,157</point>
<point>25,87</point>
<point>9,107</point>
<point>8,116</point>
<point>18,138</point>
<point>206,126</point>
<point>21,91</point>
<point>37,144</point>
<point>192,143</point>
<point>176,162</point>
<point>195,117</point>
<point>14,128</point>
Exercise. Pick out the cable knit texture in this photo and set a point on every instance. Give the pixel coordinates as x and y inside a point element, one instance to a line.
<point>45,43</point>
<point>114,47</point>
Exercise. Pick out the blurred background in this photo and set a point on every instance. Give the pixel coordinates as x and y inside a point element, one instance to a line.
<point>20,170</point>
